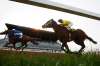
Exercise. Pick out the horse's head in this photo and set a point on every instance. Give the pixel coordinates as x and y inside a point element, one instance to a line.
<point>49,24</point>
<point>4,32</point>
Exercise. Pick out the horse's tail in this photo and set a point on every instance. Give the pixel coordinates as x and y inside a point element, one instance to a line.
<point>89,38</point>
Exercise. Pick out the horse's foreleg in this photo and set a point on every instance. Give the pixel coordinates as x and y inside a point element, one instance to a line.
<point>18,48</point>
<point>14,46</point>
<point>62,47</point>
<point>82,47</point>
<point>66,46</point>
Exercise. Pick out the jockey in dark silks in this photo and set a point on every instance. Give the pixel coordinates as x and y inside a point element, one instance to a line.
<point>15,33</point>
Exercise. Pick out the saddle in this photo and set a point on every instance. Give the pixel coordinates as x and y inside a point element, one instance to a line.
<point>72,30</point>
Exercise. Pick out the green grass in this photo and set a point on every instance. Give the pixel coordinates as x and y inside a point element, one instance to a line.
<point>9,58</point>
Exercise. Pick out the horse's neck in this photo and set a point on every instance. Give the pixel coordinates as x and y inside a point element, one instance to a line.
<point>58,28</point>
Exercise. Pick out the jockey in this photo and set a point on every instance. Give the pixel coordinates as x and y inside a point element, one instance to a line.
<point>16,33</point>
<point>65,23</point>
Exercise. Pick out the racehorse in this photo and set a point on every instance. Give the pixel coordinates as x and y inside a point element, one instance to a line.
<point>78,36</point>
<point>23,40</point>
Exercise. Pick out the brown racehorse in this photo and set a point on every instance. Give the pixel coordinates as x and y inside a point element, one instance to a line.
<point>62,33</point>
<point>23,40</point>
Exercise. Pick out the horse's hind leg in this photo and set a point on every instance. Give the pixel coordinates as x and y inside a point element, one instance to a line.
<point>25,45</point>
<point>18,48</point>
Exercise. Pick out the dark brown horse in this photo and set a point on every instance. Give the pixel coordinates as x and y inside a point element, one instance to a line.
<point>63,33</point>
<point>23,40</point>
